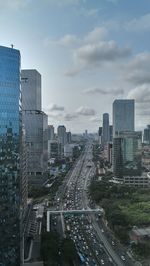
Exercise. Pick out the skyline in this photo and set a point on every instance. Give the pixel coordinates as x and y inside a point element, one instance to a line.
<point>89,53</point>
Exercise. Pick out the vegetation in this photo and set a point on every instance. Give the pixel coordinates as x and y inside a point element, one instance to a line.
<point>124,206</point>
<point>56,251</point>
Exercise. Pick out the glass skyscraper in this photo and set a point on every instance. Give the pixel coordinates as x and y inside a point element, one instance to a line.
<point>10,159</point>
<point>127,154</point>
<point>123,116</point>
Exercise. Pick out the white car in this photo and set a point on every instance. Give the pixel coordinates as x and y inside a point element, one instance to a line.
<point>123,258</point>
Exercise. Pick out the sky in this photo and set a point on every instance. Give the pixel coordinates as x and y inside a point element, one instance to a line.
<point>89,53</point>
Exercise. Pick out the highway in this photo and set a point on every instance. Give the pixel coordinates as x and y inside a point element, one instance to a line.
<point>85,228</point>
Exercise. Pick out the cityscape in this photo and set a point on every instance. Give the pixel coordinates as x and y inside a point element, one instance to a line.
<point>75,164</point>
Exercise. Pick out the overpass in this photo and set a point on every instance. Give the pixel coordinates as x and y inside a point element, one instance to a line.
<point>83,211</point>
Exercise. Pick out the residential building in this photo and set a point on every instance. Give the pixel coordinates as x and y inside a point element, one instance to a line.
<point>12,196</point>
<point>123,116</point>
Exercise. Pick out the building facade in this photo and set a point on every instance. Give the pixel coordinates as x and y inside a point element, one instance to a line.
<point>123,116</point>
<point>127,154</point>
<point>11,161</point>
<point>105,130</point>
<point>35,122</point>
<point>146,137</point>
<point>31,89</point>
<point>50,132</point>
<point>36,140</point>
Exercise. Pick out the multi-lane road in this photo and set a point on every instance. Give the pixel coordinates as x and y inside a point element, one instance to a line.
<point>91,237</point>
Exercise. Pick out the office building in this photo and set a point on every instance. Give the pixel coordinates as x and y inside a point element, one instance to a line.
<point>100,135</point>
<point>105,130</point>
<point>146,137</point>
<point>62,137</point>
<point>68,137</point>
<point>35,122</point>
<point>11,160</point>
<point>31,89</point>
<point>110,133</point>
<point>54,149</point>
<point>50,132</point>
<point>127,154</point>
<point>123,116</point>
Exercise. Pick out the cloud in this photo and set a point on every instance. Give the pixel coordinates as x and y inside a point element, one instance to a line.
<point>13,4</point>
<point>104,91</point>
<point>70,117</point>
<point>61,3</point>
<point>95,119</point>
<point>101,52</point>
<point>96,34</point>
<point>137,71</point>
<point>66,40</point>
<point>85,111</point>
<point>54,108</point>
<point>139,24</point>
<point>141,94</point>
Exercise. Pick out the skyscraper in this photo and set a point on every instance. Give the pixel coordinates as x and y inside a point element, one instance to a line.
<point>62,137</point>
<point>146,137</point>
<point>35,122</point>
<point>123,116</point>
<point>10,157</point>
<point>105,133</point>
<point>50,132</point>
<point>31,89</point>
<point>127,154</point>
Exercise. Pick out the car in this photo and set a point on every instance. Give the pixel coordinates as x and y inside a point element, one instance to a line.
<point>123,258</point>
<point>102,262</point>
<point>113,243</point>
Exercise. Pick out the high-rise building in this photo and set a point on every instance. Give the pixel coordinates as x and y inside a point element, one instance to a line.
<point>68,137</point>
<point>31,89</point>
<point>127,154</point>
<point>61,132</point>
<point>100,135</point>
<point>35,122</point>
<point>123,116</point>
<point>110,133</point>
<point>36,140</point>
<point>146,137</point>
<point>11,160</point>
<point>105,131</point>
<point>62,137</point>
<point>50,132</point>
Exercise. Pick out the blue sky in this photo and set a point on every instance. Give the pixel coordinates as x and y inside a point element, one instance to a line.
<point>89,52</point>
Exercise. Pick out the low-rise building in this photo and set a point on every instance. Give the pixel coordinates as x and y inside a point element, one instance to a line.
<point>140,235</point>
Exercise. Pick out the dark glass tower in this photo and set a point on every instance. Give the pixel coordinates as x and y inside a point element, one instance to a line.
<point>10,160</point>
<point>105,134</point>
